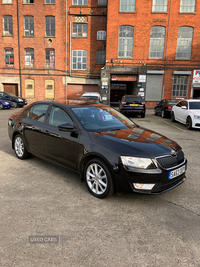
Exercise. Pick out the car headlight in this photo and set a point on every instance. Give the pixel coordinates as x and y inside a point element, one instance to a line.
<point>7,103</point>
<point>20,100</point>
<point>197,117</point>
<point>134,162</point>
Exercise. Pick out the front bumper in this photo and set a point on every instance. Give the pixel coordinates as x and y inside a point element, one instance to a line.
<point>159,177</point>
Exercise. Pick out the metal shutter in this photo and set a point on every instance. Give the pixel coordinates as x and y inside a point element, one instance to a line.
<point>154,87</point>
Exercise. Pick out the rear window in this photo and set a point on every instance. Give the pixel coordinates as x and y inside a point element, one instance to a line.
<point>131,99</point>
<point>172,102</point>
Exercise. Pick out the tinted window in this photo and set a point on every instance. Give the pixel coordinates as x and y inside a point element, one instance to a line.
<point>101,119</point>
<point>131,99</point>
<point>59,116</point>
<point>194,105</point>
<point>37,112</point>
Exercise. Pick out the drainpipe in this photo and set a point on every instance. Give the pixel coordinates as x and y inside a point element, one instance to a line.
<point>70,48</point>
<point>66,51</point>
<point>20,75</point>
<point>163,91</point>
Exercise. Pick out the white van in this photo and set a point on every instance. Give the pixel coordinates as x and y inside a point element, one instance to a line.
<point>93,95</point>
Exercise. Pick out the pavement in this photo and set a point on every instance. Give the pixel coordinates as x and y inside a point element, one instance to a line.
<point>48,218</point>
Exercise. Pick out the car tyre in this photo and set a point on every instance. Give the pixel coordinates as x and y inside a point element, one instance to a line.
<point>189,123</point>
<point>98,178</point>
<point>1,106</point>
<point>15,104</point>
<point>173,117</point>
<point>20,148</point>
<point>143,115</point>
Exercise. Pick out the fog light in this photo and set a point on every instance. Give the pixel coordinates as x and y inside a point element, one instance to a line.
<point>143,186</point>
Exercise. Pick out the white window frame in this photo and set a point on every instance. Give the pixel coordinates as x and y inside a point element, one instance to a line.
<point>29,30</point>
<point>80,2</point>
<point>101,35</point>
<point>125,42</point>
<point>79,59</point>
<point>100,57</point>
<point>180,86</point>
<point>127,5</point>
<point>188,7</point>
<point>77,28</point>
<point>184,42</point>
<point>157,43</point>
<point>7,2</point>
<point>157,6</point>
<point>29,62</point>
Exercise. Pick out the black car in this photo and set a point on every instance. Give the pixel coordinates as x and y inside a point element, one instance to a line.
<point>164,107</point>
<point>109,151</point>
<point>17,101</point>
<point>132,104</point>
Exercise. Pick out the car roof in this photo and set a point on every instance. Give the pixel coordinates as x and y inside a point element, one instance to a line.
<point>70,103</point>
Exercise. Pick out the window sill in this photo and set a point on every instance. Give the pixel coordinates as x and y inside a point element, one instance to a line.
<point>29,68</point>
<point>79,69</point>
<point>101,39</point>
<point>9,67</point>
<point>28,4</point>
<point>128,58</point>
<point>155,58</point>
<point>79,5</point>
<point>79,37</point>
<point>187,13</point>
<point>7,35</point>
<point>49,3</point>
<point>7,3</point>
<point>127,12</point>
<point>183,59</point>
<point>159,12</point>
<point>49,68</point>
<point>25,36</point>
<point>50,36</point>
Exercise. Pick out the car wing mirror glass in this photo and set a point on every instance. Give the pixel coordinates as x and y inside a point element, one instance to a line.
<point>183,107</point>
<point>66,127</point>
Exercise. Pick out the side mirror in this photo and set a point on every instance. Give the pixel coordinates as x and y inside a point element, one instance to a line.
<point>66,127</point>
<point>183,107</point>
<point>157,105</point>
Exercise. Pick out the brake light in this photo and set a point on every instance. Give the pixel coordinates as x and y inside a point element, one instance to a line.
<point>123,103</point>
<point>143,103</point>
<point>169,108</point>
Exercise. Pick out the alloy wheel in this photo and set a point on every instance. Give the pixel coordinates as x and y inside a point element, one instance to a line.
<point>19,147</point>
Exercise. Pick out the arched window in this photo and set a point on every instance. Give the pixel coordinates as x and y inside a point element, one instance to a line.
<point>125,48</point>
<point>157,42</point>
<point>184,42</point>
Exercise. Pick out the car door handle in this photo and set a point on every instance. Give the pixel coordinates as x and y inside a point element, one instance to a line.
<point>46,132</point>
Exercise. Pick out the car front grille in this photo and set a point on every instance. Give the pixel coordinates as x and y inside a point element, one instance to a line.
<point>170,161</point>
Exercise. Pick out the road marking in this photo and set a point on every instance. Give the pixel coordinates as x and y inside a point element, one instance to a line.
<point>168,123</point>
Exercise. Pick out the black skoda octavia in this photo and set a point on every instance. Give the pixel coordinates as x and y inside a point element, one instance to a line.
<point>110,152</point>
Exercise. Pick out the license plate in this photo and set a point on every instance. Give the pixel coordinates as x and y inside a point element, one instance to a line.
<point>177,172</point>
<point>135,105</point>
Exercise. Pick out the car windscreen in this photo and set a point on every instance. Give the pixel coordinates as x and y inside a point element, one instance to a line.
<point>90,97</point>
<point>194,105</point>
<point>10,94</point>
<point>133,99</point>
<point>100,119</point>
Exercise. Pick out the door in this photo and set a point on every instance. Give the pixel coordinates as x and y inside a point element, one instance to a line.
<point>34,125</point>
<point>11,88</point>
<point>60,146</point>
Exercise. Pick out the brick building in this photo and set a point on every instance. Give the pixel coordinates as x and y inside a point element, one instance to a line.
<point>152,49</point>
<point>58,49</point>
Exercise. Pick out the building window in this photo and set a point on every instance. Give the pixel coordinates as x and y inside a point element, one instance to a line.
<point>157,42</point>
<point>28,1</point>
<point>184,42</point>
<point>28,26</point>
<point>29,88</point>
<point>29,58</point>
<point>49,89</point>
<point>49,1</point>
<point>187,6</point>
<point>101,35</point>
<point>7,25</point>
<point>80,2</point>
<point>101,56</point>
<point>160,5</point>
<point>102,2</point>
<point>9,57</point>
<point>50,26</point>
<point>127,5</point>
<point>125,48</point>
<point>7,1</point>
<point>50,58</point>
<point>180,85</point>
<point>79,60</point>
<point>79,30</point>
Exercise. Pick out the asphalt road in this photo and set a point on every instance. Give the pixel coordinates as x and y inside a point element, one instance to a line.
<point>38,199</point>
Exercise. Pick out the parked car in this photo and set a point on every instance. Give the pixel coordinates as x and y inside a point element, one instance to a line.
<point>187,112</point>
<point>6,104</point>
<point>92,95</point>
<point>109,151</point>
<point>17,101</point>
<point>88,99</point>
<point>132,104</point>
<point>164,107</point>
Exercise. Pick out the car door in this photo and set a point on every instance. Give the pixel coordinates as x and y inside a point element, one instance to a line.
<point>61,146</point>
<point>177,110</point>
<point>33,128</point>
<point>4,96</point>
<point>183,112</point>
